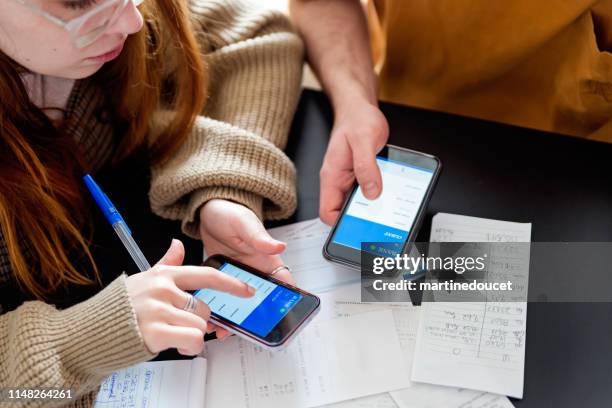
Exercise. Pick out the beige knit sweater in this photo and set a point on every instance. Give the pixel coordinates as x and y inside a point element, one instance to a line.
<point>234,152</point>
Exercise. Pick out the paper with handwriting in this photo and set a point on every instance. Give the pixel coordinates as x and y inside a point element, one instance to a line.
<point>474,345</point>
<point>330,361</point>
<point>345,302</point>
<point>156,384</point>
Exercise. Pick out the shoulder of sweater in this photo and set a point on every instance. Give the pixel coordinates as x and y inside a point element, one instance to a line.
<point>222,22</point>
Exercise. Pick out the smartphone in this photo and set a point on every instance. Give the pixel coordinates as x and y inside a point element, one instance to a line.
<point>394,218</point>
<point>271,317</point>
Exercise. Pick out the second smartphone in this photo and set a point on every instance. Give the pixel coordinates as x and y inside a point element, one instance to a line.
<point>271,317</point>
<point>394,218</point>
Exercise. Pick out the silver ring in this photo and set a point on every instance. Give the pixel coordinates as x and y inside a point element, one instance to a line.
<point>190,306</point>
<point>280,268</point>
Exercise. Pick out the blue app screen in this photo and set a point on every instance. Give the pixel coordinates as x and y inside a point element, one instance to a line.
<point>389,218</point>
<point>257,314</point>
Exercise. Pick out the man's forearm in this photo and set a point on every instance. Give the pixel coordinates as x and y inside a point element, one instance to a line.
<point>337,42</point>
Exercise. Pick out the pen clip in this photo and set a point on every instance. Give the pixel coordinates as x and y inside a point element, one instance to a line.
<point>109,210</point>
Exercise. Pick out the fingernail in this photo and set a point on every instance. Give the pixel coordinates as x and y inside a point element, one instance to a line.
<point>370,188</point>
<point>273,241</point>
<point>250,289</point>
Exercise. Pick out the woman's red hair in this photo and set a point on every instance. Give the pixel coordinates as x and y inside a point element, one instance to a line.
<point>41,208</point>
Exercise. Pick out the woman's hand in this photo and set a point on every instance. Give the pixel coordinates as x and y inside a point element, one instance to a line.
<point>233,230</point>
<point>158,298</point>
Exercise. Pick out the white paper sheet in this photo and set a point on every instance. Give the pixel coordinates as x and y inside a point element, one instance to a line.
<point>157,384</point>
<point>373,401</point>
<point>301,230</point>
<point>332,360</point>
<point>304,256</point>
<point>345,302</point>
<point>435,396</point>
<point>475,345</point>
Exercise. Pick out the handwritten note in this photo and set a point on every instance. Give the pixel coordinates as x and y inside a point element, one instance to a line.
<point>332,360</point>
<point>305,240</point>
<point>475,345</point>
<point>155,385</point>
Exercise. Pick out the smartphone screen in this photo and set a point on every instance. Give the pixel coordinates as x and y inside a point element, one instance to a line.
<point>258,314</point>
<point>407,178</point>
<point>389,217</point>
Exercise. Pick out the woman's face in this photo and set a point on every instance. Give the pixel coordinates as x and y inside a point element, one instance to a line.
<point>46,48</point>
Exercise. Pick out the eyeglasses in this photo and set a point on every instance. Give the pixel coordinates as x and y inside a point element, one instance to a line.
<point>86,28</point>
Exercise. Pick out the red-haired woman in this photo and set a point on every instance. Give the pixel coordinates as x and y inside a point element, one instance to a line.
<point>207,89</point>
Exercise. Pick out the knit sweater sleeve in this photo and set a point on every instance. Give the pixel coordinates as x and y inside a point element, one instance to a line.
<point>234,151</point>
<point>74,348</point>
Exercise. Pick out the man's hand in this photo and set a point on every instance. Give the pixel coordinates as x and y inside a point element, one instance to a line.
<point>359,133</point>
<point>338,49</point>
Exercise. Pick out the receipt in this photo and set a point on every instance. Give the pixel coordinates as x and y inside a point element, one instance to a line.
<point>475,345</point>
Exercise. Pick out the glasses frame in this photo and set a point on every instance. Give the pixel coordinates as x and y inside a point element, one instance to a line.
<point>73,25</point>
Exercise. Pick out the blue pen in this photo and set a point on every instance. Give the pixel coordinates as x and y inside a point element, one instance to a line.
<point>116,220</point>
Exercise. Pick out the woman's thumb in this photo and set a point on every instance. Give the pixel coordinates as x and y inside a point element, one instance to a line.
<point>253,233</point>
<point>174,255</point>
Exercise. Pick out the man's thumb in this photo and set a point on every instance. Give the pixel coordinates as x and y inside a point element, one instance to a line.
<point>174,255</point>
<point>368,176</point>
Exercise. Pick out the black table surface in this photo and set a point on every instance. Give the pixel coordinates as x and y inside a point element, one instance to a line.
<point>562,185</point>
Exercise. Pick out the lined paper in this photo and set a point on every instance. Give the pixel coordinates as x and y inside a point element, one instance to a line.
<point>155,384</point>
<point>475,345</point>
